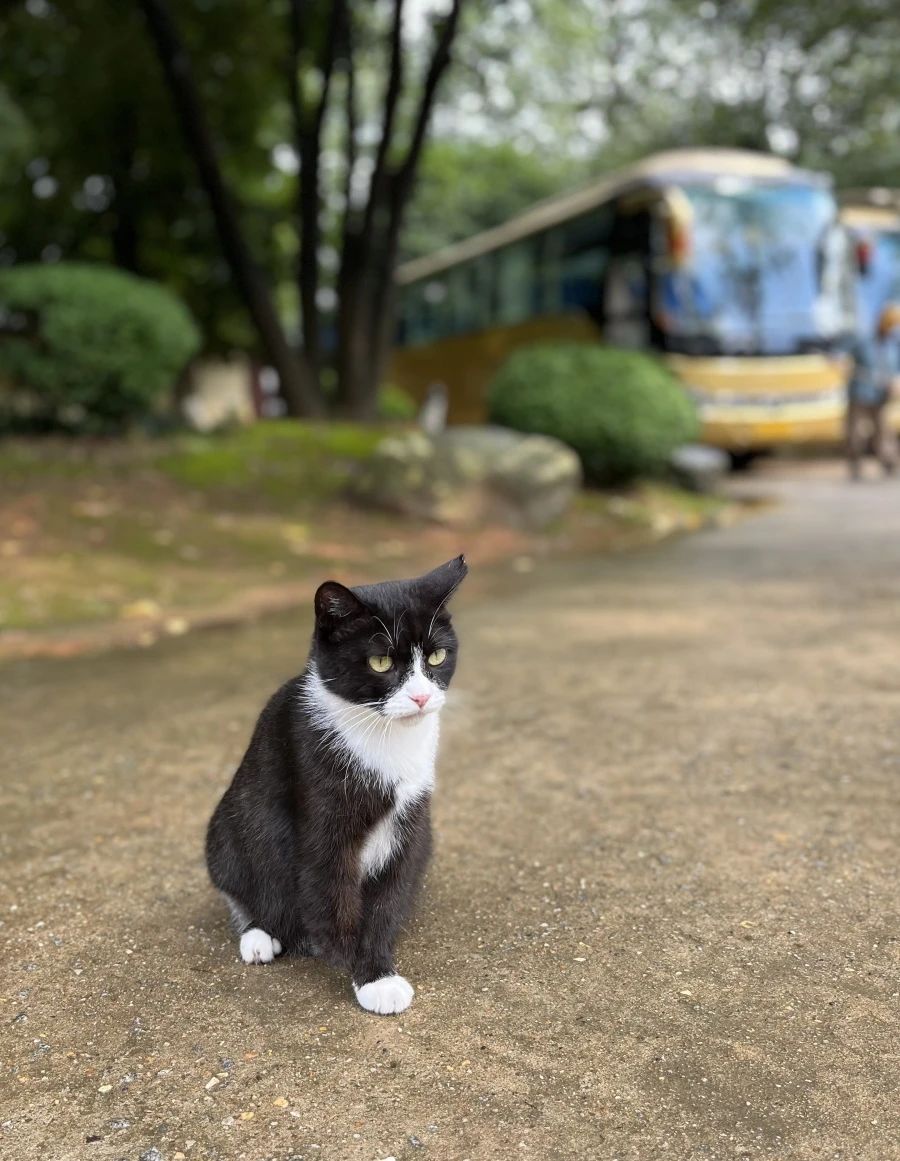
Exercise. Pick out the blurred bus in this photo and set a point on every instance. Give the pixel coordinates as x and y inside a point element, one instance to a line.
<point>872,218</point>
<point>731,265</point>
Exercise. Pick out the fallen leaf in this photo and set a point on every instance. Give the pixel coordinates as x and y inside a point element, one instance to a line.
<point>140,610</point>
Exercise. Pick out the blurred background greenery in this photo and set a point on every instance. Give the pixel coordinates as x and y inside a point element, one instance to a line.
<point>314,132</point>
<point>188,182</point>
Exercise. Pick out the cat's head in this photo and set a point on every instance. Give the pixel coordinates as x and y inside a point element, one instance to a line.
<point>390,646</point>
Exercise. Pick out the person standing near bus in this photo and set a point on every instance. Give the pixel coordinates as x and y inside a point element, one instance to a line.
<point>875,379</point>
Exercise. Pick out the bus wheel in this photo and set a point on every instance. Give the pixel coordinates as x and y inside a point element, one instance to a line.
<point>741,461</point>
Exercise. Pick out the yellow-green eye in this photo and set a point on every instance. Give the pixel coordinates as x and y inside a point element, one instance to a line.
<point>437,657</point>
<point>381,664</point>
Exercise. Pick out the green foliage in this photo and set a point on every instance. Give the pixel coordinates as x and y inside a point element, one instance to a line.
<point>543,94</point>
<point>622,411</point>
<point>468,186</point>
<point>396,405</point>
<point>16,139</point>
<point>287,462</point>
<point>99,349</point>
<point>109,179</point>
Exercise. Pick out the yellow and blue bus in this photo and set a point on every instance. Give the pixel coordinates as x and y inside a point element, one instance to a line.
<point>872,218</point>
<point>731,265</point>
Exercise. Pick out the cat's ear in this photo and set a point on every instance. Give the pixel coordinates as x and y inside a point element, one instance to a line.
<point>337,607</point>
<point>439,585</point>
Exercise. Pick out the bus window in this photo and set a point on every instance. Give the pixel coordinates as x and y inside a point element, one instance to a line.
<point>584,254</point>
<point>879,282</point>
<point>760,277</point>
<point>548,289</point>
<point>470,295</point>
<point>424,312</point>
<point>516,278</point>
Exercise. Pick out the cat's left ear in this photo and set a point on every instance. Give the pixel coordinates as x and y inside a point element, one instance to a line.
<point>439,585</point>
<point>338,609</point>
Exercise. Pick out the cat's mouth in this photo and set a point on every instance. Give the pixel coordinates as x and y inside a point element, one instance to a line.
<point>413,716</point>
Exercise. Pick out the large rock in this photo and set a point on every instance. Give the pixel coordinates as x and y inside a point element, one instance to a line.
<point>466,475</point>
<point>698,467</point>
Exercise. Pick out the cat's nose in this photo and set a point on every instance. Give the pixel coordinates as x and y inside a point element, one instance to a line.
<point>421,699</point>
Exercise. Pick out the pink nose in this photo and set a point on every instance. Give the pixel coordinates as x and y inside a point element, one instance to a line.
<point>421,699</point>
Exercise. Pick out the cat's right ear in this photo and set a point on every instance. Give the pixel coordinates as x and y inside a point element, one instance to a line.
<point>338,609</point>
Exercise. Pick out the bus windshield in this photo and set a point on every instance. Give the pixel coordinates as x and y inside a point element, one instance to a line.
<point>768,272</point>
<point>879,283</point>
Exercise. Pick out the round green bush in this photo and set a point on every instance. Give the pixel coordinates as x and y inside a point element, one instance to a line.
<point>87,348</point>
<point>622,411</point>
<point>395,405</point>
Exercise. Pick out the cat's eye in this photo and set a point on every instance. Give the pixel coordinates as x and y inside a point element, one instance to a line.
<point>381,664</point>
<point>438,657</point>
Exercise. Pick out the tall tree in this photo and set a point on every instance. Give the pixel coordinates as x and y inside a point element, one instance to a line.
<point>371,231</point>
<point>300,390</point>
<point>321,37</point>
<point>105,178</point>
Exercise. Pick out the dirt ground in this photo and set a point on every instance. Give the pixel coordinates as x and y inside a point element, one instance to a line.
<point>123,542</point>
<point>662,921</point>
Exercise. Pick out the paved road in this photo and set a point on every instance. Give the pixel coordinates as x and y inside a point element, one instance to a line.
<point>662,921</point>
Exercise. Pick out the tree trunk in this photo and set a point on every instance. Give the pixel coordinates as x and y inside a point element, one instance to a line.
<point>301,393</point>
<point>125,232</point>
<point>308,124</point>
<point>366,321</point>
<point>356,393</point>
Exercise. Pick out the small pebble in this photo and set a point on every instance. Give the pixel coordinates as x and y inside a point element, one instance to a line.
<point>105,1088</point>
<point>211,1083</point>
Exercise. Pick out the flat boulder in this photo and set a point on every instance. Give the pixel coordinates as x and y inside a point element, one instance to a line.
<point>466,475</point>
<point>698,467</point>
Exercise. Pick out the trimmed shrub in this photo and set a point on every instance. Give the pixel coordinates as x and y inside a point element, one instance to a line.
<point>395,405</point>
<point>622,411</point>
<point>87,348</point>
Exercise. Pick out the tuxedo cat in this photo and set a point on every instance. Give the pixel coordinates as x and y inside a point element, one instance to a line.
<point>320,843</point>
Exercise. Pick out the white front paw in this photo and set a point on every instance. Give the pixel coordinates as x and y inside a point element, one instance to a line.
<point>258,947</point>
<point>387,996</point>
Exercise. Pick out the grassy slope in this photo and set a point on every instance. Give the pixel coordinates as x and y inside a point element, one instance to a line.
<point>95,532</point>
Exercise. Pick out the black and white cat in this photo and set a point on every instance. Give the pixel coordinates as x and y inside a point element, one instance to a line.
<point>320,843</point>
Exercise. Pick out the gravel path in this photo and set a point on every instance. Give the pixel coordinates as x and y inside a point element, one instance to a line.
<point>662,921</point>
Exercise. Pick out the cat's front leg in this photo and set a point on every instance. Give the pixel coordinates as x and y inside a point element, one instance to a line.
<point>332,911</point>
<point>376,984</point>
<point>386,902</point>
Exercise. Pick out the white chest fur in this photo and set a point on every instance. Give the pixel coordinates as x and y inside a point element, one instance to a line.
<point>400,754</point>
<point>379,845</point>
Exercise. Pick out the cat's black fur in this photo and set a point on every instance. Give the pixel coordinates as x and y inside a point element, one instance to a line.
<point>285,840</point>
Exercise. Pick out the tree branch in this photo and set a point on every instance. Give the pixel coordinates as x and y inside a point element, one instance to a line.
<point>308,139</point>
<point>300,394</point>
<point>398,195</point>
<point>439,61</point>
<point>350,111</point>
<point>392,93</point>
<point>370,252</point>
